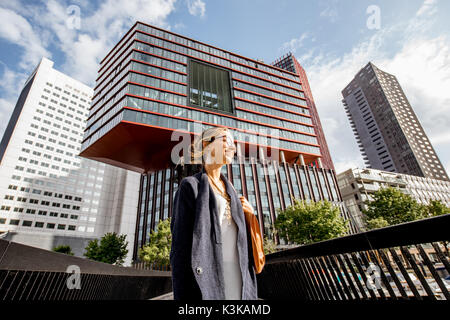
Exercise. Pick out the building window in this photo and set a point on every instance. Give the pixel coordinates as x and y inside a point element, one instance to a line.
<point>209,87</point>
<point>26,223</point>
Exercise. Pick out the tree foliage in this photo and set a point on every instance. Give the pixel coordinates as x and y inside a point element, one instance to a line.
<point>63,249</point>
<point>376,223</point>
<point>112,249</point>
<point>437,208</point>
<point>309,222</point>
<point>269,246</point>
<point>390,206</point>
<point>393,206</point>
<point>157,250</point>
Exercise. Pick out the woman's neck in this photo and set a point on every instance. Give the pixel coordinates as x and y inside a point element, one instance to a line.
<point>213,170</point>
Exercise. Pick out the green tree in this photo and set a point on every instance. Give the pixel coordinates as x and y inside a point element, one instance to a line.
<point>390,206</point>
<point>269,246</point>
<point>393,206</point>
<point>157,250</point>
<point>309,222</point>
<point>436,208</point>
<point>377,223</point>
<point>112,249</point>
<point>63,249</point>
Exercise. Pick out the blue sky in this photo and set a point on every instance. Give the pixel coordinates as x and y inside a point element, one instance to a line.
<point>331,39</point>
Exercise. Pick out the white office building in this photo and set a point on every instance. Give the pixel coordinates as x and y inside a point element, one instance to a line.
<point>48,195</point>
<point>358,185</point>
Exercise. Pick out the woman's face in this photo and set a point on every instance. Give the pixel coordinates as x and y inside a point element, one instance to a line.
<point>221,150</point>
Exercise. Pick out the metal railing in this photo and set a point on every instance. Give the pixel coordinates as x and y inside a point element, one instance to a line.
<point>141,265</point>
<point>28,273</point>
<point>406,261</point>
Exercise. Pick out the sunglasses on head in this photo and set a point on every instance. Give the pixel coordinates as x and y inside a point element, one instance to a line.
<point>229,139</point>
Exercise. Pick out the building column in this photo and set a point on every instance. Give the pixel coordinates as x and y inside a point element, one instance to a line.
<point>301,159</point>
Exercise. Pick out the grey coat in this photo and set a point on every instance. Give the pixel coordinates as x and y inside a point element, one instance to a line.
<point>196,253</point>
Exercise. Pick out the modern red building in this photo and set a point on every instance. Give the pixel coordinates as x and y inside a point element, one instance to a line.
<point>155,82</point>
<point>289,62</point>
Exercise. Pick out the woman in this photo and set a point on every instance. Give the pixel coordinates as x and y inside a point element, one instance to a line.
<point>211,255</point>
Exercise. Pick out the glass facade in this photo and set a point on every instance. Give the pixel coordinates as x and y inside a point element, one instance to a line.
<point>265,197</point>
<point>185,79</point>
<point>209,87</point>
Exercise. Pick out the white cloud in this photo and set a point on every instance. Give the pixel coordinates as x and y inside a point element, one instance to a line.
<point>330,12</point>
<point>428,8</point>
<point>6,108</point>
<point>16,29</point>
<point>99,32</point>
<point>34,27</point>
<point>421,65</point>
<point>11,83</point>
<point>179,26</point>
<point>85,47</point>
<point>447,166</point>
<point>196,7</point>
<point>294,44</point>
<point>348,163</point>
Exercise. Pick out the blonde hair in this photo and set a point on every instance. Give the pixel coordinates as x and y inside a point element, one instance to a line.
<point>196,149</point>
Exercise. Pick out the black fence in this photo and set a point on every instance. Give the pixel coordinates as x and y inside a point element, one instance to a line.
<point>28,273</point>
<point>406,261</point>
<point>141,265</point>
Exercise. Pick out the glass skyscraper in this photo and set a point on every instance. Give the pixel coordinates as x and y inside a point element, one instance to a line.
<point>386,127</point>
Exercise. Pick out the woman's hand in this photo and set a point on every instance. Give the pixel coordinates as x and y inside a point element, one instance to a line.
<point>246,205</point>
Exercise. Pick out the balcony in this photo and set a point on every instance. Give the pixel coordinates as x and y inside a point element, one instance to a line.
<point>369,187</point>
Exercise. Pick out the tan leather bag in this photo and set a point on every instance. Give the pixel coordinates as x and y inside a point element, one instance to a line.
<point>257,241</point>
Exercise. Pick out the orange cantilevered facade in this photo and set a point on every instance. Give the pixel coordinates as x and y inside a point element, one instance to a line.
<point>144,92</point>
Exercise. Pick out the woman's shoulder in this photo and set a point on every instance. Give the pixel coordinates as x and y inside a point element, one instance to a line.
<point>189,182</point>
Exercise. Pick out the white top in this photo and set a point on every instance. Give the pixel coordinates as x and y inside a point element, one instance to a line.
<point>231,268</point>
